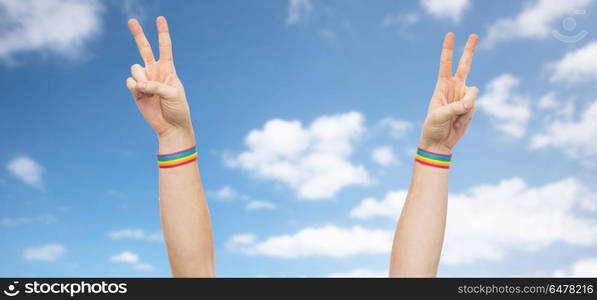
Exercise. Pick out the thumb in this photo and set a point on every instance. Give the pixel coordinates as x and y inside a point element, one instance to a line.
<point>157,88</point>
<point>460,107</point>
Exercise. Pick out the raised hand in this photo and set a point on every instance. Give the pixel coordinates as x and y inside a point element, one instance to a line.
<point>420,231</point>
<point>160,96</point>
<point>157,91</point>
<point>452,105</point>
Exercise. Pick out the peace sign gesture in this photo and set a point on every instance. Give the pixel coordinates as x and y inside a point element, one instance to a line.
<point>157,91</point>
<point>452,105</point>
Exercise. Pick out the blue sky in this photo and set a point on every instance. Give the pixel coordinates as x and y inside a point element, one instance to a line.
<point>306,114</point>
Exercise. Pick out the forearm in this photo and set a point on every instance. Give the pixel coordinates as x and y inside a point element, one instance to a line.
<point>420,230</point>
<point>160,97</point>
<point>184,213</point>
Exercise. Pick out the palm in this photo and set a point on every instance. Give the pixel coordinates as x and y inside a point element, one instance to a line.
<point>443,130</point>
<point>168,107</point>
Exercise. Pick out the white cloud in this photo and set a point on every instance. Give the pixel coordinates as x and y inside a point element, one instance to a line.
<point>489,220</point>
<point>360,273</point>
<point>135,234</point>
<point>397,128</point>
<point>58,26</point>
<point>393,19</point>
<point>298,10</point>
<point>225,192</point>
<point>556,107</point>
<point>446,9</point>
<point>125,257</point>
<point>144,267</point>
<point>49,252</point>
<point>41,219</point>
<point>133,9</point>
<point>257,205</point>
<point>384,156</point>
<point>130,258</point>
<point>577,65</point>
<point>314,161</point>
<point>534,21</point>
<point>27,170</point>
<point>575,138</point>
<point>328,241</point>
<point>583,268</point>
<point>240,241</point>
<point>117,194</point>
<point>548,101</point>
<point>390,206</point>
<point>328,34</point>
<point>15,221</point>
<point>509,112</point>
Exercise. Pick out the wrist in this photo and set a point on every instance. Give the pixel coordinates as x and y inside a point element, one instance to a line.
<point>434,155</point>
<point>435,147</point>
<point>176,139</point>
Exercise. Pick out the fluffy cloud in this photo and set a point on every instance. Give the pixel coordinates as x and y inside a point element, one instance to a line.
<point>134,234</point>
<point>143,267</point>
<point>49,252</point>
<point>509,112</point>
<point>328,34</point>
<point>314,161</point>
<point>397,128</point>
<point>298,10</point>
<point>583,268</point>
<point>125,257</point>
<point>27,170</point>
<point>328,241</point>
<point>556,107</point>
<point>58,26</point>
<point>392,19</point>
<point>240,241</point>
<point>225,192</point>
<point>489,220</point>
<point>548,101</point>
<point>390,206</point>
<point>360,273</point>
<point>446,9</point>
<point>534,21</point>
<point>575,138</point>
<point>384,156</point>
<point>41,219</point>
<point>133,9</point>
<point>578,65</point>
<point>260,205</point>
<point>130,258</point>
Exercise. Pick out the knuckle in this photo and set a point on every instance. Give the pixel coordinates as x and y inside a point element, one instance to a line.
<point>136,67</point>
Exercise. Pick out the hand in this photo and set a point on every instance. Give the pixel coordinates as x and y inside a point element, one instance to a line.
<point>157,91</point>
<point>452,105</point>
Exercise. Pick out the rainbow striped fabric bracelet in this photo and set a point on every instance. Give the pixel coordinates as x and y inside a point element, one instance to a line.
<point>433,159</point>
<point>176,159</point>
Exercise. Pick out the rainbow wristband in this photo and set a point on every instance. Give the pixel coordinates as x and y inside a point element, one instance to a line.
<point>433,159</point>
<point>176,159</point>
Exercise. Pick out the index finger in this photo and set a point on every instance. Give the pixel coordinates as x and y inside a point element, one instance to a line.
<point>445,61</point>
<point>141,40</point>
<point>464,66</point>
<point>164,38</point>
